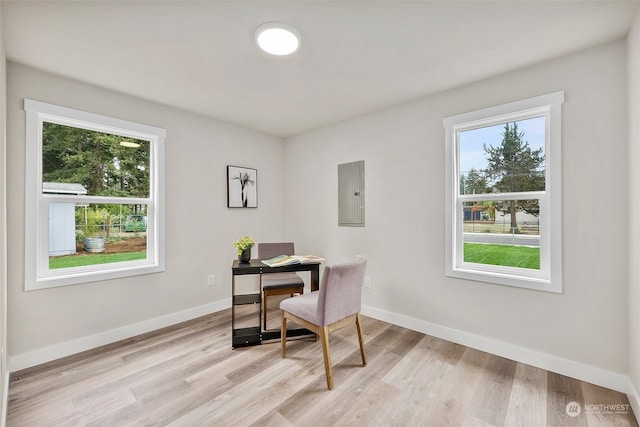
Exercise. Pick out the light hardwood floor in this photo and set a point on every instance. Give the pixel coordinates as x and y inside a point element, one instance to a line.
<point>188,375</point>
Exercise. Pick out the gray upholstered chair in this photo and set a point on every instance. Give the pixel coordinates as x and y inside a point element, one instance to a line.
<point>277,283</point>
<point>335,305</point>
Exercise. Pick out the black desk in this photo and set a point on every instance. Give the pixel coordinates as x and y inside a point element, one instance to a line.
<point>255,335</point>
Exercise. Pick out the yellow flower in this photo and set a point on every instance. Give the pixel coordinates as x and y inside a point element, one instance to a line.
<point>244,243</point>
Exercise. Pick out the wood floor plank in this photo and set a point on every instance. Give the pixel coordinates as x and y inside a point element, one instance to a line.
<point>39,411</point>
<point>492,396</point>
<point>404,374</point>
<point>377,405</point>
<point>330,409</point>
<point>418,391</point>
<point>273,419</point>
<point>604,407</point>
<point>563,391</point>
<point>528,401</point>
<point>250,400</point>
<point>443,350</point>
<point>456,404</point>
<point>188,375</point>
<point>84,413</point>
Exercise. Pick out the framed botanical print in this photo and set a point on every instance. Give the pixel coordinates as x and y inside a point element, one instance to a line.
<point>242,187</point>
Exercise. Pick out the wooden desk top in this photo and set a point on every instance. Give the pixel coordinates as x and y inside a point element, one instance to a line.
<point>255,266</point>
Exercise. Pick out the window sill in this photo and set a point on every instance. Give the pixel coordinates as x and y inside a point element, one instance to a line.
<point>533,283</point>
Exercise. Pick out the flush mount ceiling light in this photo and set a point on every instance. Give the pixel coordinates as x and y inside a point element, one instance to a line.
<point>277,38</point>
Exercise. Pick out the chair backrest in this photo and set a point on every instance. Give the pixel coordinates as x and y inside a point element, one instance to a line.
<point>270,250</point>
<point>340,291</point>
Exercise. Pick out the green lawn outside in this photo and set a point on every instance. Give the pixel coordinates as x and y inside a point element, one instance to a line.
<point>509,256</point>
<point>480,253</point>
<point>93,259</point>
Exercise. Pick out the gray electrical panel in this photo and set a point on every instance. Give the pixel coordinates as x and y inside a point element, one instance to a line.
<point>351,194</point>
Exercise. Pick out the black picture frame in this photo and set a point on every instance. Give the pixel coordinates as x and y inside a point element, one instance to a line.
<point>242,187</point>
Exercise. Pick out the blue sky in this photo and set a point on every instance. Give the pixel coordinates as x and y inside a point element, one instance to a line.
<point>472,154</point>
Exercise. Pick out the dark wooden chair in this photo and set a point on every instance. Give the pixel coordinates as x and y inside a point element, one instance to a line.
<point>277,283</point>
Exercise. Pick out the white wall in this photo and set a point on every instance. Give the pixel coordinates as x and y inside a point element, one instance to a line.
<point>633,73</point>
<point>404,240</point>
<point>200,230</point>
<point>4,377</point>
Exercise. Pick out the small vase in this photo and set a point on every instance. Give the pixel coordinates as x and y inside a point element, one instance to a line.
<point>245,256</point>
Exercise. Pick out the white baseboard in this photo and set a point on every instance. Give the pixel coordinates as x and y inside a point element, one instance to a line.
<point>634,399</point>
<point>47,354</point>
<point>559,365</point>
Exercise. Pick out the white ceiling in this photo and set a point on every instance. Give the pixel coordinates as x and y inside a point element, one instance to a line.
<point>356,56</point>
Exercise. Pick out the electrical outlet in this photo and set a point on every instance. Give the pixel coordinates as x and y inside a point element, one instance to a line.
<point>367,282</point>
<point>360,257</point>
<point>211,280</point>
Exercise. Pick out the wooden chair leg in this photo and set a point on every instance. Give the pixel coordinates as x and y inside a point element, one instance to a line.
<point>324,336</point>
<point>283,337</point>
<point>361,340</point>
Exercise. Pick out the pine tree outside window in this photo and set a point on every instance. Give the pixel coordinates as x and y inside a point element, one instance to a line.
<point>503,194</point>
<point>94,206</point>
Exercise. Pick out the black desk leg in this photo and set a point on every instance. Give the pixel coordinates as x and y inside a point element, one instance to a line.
<point>315,279</point>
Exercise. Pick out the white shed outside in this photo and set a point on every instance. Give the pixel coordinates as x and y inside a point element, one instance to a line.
<point>62,219</point>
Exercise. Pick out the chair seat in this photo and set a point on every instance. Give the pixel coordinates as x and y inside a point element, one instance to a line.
<point>281,280</point>
<point>305,306</point>
<point>277,283</point>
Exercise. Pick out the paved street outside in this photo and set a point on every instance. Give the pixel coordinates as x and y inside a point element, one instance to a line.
<point>503,239</point>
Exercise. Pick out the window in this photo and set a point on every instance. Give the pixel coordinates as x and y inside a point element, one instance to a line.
<point>503,194</point>
<point>94,206</point>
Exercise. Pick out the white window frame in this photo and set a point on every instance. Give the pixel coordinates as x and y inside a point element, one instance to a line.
<point>37,272</point>
<point>549,276</point>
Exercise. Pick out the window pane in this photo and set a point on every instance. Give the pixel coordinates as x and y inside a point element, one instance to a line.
<point>503,158</point>
<point>505,233</point>
<point>81,235</point>
<point>93,163</point>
